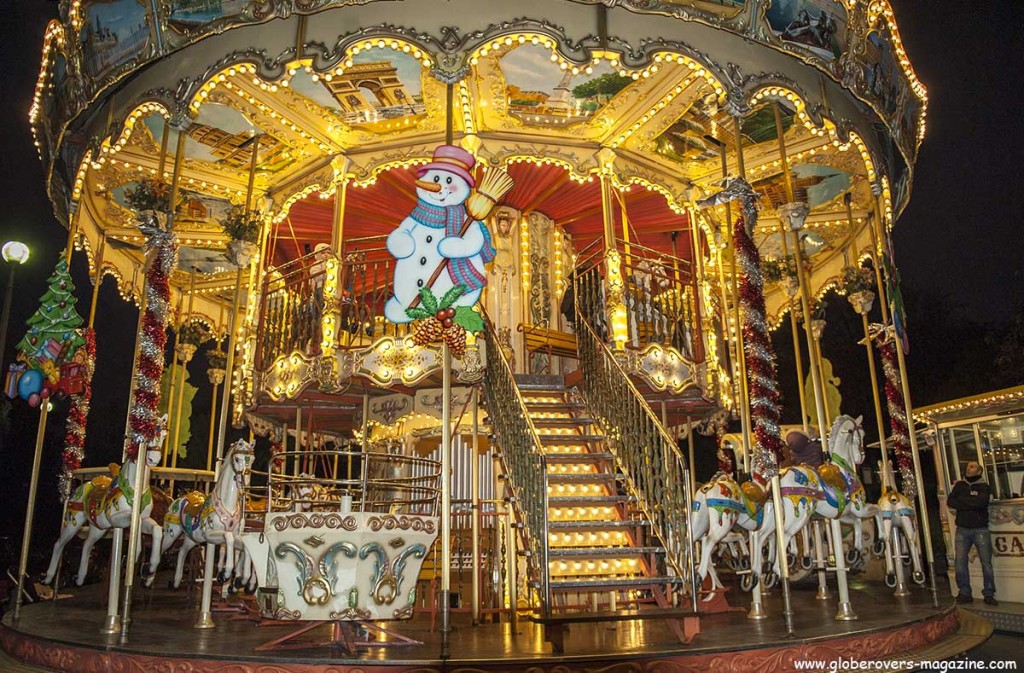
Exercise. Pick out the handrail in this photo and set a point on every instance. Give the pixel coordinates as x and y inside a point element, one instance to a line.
<point>523,456</point>
<point>654,467</point>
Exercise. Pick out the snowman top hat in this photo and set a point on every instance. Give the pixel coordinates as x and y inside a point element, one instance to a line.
<point>453,160</point>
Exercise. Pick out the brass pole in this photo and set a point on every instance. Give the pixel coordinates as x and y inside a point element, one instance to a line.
<point>97,281</point>
<point>297,463</point>
<point>790,197</point>
<point>915,450</point>
<point>874,393</point>
<point>756,607</point>
<point>30,508</point>
<point>165,137</point>
<point>112,624</point>
<point>213,398</point>
<point>173,387</point>
<point>181,378</point>
<point>179,159</point>
<point>474,472</point>
<point>446,488</point>
<point>134,538</point>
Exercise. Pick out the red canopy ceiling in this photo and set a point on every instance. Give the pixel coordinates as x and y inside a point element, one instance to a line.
<point>377,209</point>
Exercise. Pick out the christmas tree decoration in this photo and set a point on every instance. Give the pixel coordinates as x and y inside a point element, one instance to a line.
<point>53,340</point>
<point>78,415</point>
<point>161,256</point>
<point>900,440</point>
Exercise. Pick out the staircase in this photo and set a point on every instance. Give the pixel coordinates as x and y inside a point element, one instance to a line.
<point>601,550</point>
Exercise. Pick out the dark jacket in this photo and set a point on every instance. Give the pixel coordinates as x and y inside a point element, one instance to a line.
<point>970,500</point>
<point>810,455</point>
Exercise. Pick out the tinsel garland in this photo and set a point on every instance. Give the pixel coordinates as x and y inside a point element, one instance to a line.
<point>161,254</point>
<point>78,415</point>
<point>897,414</point>
<point>763,389</point>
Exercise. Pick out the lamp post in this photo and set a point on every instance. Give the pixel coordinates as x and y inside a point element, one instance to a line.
<point>14,253</point>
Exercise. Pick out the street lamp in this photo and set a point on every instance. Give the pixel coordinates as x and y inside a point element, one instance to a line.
<point>14,253</point>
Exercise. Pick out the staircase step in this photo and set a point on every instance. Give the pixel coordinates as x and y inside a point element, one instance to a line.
<point>565,421</point>
<point>559,478</point>
<point>555,500</point>
<point>613,583</point>
<point>603,552</point>
<point>568,438</point>
<point>547,405</point>
<point>541,382</point>
<point>564,525</point>
<point>577,457</point>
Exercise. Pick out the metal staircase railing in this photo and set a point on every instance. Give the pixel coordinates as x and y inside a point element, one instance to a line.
<point>654,467</point>
<point>523,458</point>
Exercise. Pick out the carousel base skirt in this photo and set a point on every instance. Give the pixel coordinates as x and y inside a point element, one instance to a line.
<point>64,635</point>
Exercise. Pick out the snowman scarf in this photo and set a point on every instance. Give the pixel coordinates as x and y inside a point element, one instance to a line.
<point>450,218</point>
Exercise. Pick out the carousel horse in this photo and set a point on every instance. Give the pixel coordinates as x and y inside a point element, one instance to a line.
<point>895,509</point>
<point>719,507</point>
<point>215,518</point>
<point>105,503</point>
<point>833,491</point>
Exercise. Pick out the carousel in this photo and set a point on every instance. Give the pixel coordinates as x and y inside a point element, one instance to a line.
<point>468,292</point>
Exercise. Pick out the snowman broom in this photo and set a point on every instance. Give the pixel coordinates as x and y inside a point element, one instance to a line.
<point>496,184</point>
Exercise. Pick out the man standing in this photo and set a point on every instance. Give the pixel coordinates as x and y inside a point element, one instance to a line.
<point>970,500</point>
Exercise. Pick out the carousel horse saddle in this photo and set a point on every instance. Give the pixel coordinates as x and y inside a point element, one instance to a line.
<point>755,497</point>
<point>97,495</point>
<point>833,476</point>
<point>194,503</point>
<point>836,488</point>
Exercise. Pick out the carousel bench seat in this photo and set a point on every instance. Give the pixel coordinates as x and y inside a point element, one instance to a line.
<point>685,622</point>
<point>550,341</point>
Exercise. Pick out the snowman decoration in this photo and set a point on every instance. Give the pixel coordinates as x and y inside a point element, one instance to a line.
<point>442,246</point>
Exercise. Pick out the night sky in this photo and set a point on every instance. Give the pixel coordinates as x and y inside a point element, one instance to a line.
<point>958,244</point>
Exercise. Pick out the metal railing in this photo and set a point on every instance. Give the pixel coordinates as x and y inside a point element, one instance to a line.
<point>658,293</point>
<point>523,457</point>
<point>291,310</point>
<point>293,303</point>
<point>654,467</point>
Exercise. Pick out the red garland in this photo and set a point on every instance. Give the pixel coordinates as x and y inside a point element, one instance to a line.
<point>763,387</point>
<point>149,366</point>
<point>78,415</point>
<point>897,417</point>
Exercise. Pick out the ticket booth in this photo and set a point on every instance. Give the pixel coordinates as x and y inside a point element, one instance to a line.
<point>986,428</point>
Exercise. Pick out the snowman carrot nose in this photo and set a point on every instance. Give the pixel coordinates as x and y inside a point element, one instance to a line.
<point>428,185</point>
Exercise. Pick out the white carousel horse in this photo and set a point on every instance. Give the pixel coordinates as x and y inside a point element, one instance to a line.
<point>719,506</point>
<point>106,503</point>
<point>215,518</point>
<point>832,492</point>
<point>894,508</point>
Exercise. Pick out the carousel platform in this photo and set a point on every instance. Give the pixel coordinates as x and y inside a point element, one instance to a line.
<point>1007,616</point>
<point>64,636</point>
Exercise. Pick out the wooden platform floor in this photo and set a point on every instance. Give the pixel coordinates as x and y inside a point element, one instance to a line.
<point>64,635</point>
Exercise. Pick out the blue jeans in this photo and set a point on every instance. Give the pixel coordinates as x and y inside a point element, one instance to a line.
<point>981,538</point>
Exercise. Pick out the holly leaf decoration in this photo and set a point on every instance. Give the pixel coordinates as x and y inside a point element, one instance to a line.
<point>451,295</point>
<point>469,319</point>
<point>428,300</point>
<point>417,313</point>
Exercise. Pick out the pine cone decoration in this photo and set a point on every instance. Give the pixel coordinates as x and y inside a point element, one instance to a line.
<point>455,337</point>
<point>429,330</point>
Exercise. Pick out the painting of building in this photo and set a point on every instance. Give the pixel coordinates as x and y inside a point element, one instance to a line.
<point>539,91</point>
<point>188,13</point>
<point>113,33</point>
